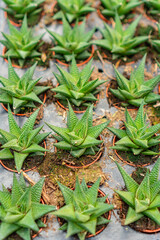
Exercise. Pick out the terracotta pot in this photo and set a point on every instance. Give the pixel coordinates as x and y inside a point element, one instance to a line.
<point>5,59</point>
<point>11,170</point>
<point>45,220</point>
<point>129,163</point>
<point>109,214</point>
<point>20,21</point>
<point>115,105</point>
<point>62,106</point>
<point>72,24</point>
<point>79,64</point>
<point>85,166</point>
<point>23,114</point>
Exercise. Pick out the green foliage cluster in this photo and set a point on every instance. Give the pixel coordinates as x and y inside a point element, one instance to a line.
<point>143,199</point>
<point>73,9</point>
<point>83,210</point>
<point>21,210</point>
<point>137,137</point>
<point>76,86</point>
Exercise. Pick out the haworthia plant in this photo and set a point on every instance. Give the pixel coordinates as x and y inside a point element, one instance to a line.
<point>80,136</point>
<point>156,42</point>
<point>21,210</point>
<point>143,199</point>
<point>19,143</point>
<point>21,44</point>
<point>21,92</point>
<point>136,90</point>
<point>137,137</point>
<point>76,85</point>
<point>18,8</point>
<point>73,9</point>
<point>121,42</point>
<point>122,7</point>
<point>74,41</point>
<point>153,5</point>
<point>83,210</point>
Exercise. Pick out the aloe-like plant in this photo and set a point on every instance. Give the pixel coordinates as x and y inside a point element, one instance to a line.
<point>21,210</point>
<point>83,210</point>
<point>19,143</point>
<point>18,8</point>
<point>121,42</point>
<point>153,5</point>
<point>74,41</point>
<point>136,90</point>
<point>21,44</point>
<point>73,9</point>
<point>76,86</point>
<point>122,7</point>
<point>21,92</point>
<point>80,137</point>
<point>156,42</point>
<point>137,137</point>
<point>143,199</point>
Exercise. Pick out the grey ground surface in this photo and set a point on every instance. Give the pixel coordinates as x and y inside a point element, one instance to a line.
<point>114,229</point>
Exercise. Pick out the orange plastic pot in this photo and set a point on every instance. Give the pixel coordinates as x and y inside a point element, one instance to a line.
<point>79,64</point>
<point>109,214</point>
<point>115,105</point>
<point>5,59</point>
<point>84,166</point>
<point>72,24</point>
<point>131,164</point>
<point>62,106</point>
<point>11,170</point>
<point>23,114</point>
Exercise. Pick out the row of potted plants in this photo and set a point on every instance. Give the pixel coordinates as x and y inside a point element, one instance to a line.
<point>74,9</point>
<point>86,207</point>
<point>22,46</point>
<point>83,211</point>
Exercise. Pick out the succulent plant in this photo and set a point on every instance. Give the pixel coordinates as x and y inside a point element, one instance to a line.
<point>21,44</point>
<point>83,210</point>
<point>137,137</point>
<point>156,42</point>
<point>122,7</point>
<point>19,143</point>
<point>121,42</point>
<point>74,41</point>
<point>75,85</point>
<point>18,8</point>
<point>80,137</point>
<point>136,90</point>
<point>73,9</point>
<point>21,210</point>
<point>153,5</point>
<point>143,199</point>
<point>20,92</point>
